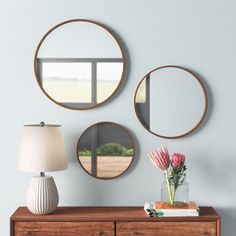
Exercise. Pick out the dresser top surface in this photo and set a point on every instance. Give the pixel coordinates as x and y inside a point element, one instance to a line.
<point>107,214</point>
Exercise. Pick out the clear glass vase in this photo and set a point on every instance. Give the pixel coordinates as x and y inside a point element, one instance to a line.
<point>180,195</point>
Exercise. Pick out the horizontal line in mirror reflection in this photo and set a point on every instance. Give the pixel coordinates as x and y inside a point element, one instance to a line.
<point>65,60</point>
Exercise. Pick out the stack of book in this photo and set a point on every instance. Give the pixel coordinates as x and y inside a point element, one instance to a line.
<point>163,209</point>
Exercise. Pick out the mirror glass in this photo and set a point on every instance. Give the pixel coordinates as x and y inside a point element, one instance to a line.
<point>105,150</point>
<point>79,64</point>
<point>170,102</point>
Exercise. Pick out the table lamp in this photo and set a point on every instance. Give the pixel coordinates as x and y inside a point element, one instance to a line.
<point>42,150</point>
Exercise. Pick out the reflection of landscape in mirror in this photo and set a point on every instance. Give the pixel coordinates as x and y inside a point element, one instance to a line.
<point>112,159</point>
<point>67,82</point>
<point>141,92</point>
<point>80,82</point>
<point>79,64</point>
<point>142,101</point>
<point>102,158</point>
<point>108,78</point>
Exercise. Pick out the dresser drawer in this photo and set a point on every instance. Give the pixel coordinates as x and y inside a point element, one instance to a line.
<point>64,228</point>
<point>166,228</point>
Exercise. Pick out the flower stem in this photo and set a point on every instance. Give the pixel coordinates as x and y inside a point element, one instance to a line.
<point>168,187</point>
<point>173,196</point>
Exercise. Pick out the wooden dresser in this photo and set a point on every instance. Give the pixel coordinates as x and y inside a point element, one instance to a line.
<point>108,221</point>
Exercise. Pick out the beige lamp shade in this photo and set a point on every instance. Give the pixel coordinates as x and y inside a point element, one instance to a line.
<point>42,149</point>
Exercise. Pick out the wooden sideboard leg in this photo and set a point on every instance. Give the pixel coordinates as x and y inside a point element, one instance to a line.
<point>12,227</point>
<point>218,227</point>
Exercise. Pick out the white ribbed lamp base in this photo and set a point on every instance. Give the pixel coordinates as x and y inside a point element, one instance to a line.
<point>42,196</point>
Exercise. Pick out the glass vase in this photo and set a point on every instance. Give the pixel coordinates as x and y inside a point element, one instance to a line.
<point>179,196</point>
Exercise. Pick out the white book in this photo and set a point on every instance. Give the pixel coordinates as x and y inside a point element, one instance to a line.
<point>180,213</point>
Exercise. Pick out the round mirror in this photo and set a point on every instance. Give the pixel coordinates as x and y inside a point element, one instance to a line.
<point>105,150</point>
<point>170,102</point>
<point>79,64</point>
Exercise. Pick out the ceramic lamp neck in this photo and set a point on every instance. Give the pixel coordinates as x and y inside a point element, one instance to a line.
<point>42,174</point>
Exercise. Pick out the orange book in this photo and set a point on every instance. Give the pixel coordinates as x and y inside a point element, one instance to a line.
<point>178,206</point>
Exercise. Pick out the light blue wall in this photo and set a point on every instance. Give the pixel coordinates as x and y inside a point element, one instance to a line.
<point>199,35</point>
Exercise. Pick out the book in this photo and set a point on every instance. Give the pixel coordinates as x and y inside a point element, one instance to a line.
<point>163,209</point>
<point>179,209</point>
<point>177,205</point>
<point>150,211</point>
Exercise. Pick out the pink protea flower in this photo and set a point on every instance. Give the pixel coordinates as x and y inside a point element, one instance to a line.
<point>160,158</point>
<point>177,160</point>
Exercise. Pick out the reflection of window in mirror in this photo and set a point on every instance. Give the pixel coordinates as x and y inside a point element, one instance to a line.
<point>109,160</point>
<point>105,151</point>
<point>141,93</point>
<point>142,101</point>
<point>67,82</point>
<point>80,81</point>
<point>170,102</point>
<point>108,78</point>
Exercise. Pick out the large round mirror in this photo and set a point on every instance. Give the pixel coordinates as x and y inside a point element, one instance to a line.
<point>105,150</point>
<point>170,101</point>
<point>79,64</point>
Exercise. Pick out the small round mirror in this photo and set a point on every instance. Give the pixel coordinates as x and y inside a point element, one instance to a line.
<point>105,150</point>
<point>79,64</point>
<point>170,102</point>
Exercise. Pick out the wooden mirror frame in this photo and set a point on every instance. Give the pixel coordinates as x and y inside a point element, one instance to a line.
<point>205,99</point>
<point>103,123</point>
<point>71,21</point>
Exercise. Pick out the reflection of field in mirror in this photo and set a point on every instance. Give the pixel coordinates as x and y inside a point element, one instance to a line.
<point>73,91</point>
<point>107,166</point>
<point>141,93</point>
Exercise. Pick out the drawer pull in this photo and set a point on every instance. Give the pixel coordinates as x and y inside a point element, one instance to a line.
<point>137,233</point>
<point>100,233</point>
<point>28,233</point>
